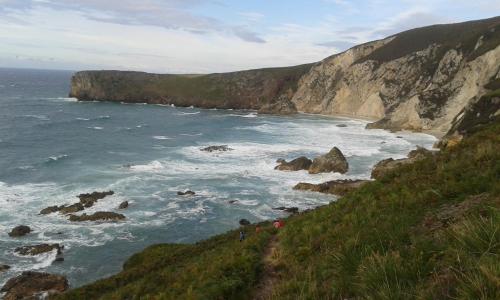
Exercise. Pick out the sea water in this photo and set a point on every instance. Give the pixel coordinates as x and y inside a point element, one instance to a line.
<point>53,148</point>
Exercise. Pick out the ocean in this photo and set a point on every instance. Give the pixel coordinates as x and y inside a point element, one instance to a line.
<point>53,148</point>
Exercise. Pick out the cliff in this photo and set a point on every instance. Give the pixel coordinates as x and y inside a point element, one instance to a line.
<point>250,89</point>
<point>420,80</point>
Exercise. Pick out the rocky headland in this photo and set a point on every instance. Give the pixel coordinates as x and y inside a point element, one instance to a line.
<point>429,79</point>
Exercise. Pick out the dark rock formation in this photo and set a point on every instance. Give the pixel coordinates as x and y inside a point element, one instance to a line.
<point>4,268</point>
<point>341,125</point>
<point>51,209</point>
<point>186,193</point>
<point>281,107</point>
<point>21,230</point>
<point>335,187</point>
<point>333,161</point>
<point>387,165</point>
<point>38,249</point>
<point>301,163</point>
<point>244,222</point>
<point>71,209</point>
<point>88,200</point>
<point>232,201</point>
<point>31,285</point>
<point>292,210</point>
<point>123,205</point>
<point>221,148</point>
<point>98,216</point>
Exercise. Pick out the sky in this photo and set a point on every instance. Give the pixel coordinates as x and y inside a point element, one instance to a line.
<point>205,36</point>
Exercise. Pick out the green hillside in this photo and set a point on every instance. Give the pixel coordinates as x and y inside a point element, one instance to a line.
<point>430,230</point>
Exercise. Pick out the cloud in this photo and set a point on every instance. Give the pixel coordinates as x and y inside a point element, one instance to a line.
<point>169,14</point>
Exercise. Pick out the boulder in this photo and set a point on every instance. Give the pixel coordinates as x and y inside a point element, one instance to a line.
<point>333,161</point>
<point>232,201</point>
<point>32,285</point>
<point>244,222</point>
<point>123,205</point>
<point>221,148</point>
<point>186,193</point>
<point>341,125</point>
<point>301,163</point>
<point>38,249</point>
<point>98,216</point>
<point>335,187</point>
<point>21,230</point>
<point>385,166</point>
<point>281,107</point>
<point>4,268</point>
<point>88,200</point>
<point>292,210</point>
<point>73,208</point>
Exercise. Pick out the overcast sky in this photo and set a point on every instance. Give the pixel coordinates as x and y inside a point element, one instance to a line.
<point>201,36</point>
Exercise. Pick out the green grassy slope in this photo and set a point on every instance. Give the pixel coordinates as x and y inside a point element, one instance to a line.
<point>430,230</point>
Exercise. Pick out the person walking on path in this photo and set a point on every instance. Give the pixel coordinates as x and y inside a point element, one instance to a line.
<point>242,235</point>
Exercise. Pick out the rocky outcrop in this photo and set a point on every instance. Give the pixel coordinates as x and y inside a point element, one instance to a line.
<point>20,230</point>
<point>98,216</point>
<point>282,107</point>
<point>33,285</point>
<point>86,201</point>
<point>123,205</point>
<point>420,80</point>
<point>4,268</point>
<point>333,161</point>
<point>221,148</point>
<point>301,163</point>
<point>335,187</point>
<point>239,90</point>
<point>38,249</point>
<point>387,165</point>
<point>292,210</point>
<point>244,222</point>
<point>186,193</point>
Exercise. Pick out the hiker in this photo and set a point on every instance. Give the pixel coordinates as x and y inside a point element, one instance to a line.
<point>242,235</point>
<point>276,224</point>
<point>257,229</point>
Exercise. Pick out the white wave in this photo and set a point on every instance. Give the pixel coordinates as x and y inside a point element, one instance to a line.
<point>187,113</point>
<point>83,119</point>
<point>191,134</point>
<point>152,166</point>
<point>58,157</point>
<point>96,128</point>
<point>104,117</point>
<point>39,117</point>
<point>161,137</point>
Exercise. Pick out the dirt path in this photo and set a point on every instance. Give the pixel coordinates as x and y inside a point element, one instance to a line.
<point>269,277</point>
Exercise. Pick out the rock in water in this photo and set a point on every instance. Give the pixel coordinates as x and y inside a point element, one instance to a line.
<point>21,230</point>
<point>221,148</point>
<point>51,209</point>
<point>301,163</point>
<point>335,187</point>
<point>32,285</point>
<point>123,205</point>
<point>244,222</point>
<point>281,107</point>
<point>73,208</point>
<point>333,161</point>
<point>98,216</point>
<point>38,249</point>
<point>186,193</point>
<point>292,210</point>
<point>4,268</point>
<point>88,200</point>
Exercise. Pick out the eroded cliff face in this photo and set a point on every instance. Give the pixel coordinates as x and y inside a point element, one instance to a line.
<point>419,80</point>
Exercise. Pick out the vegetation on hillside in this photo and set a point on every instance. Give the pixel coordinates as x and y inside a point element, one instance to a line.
<point>429,230</point>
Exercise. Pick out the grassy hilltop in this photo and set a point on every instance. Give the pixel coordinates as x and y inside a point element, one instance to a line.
<point>429,230</point>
